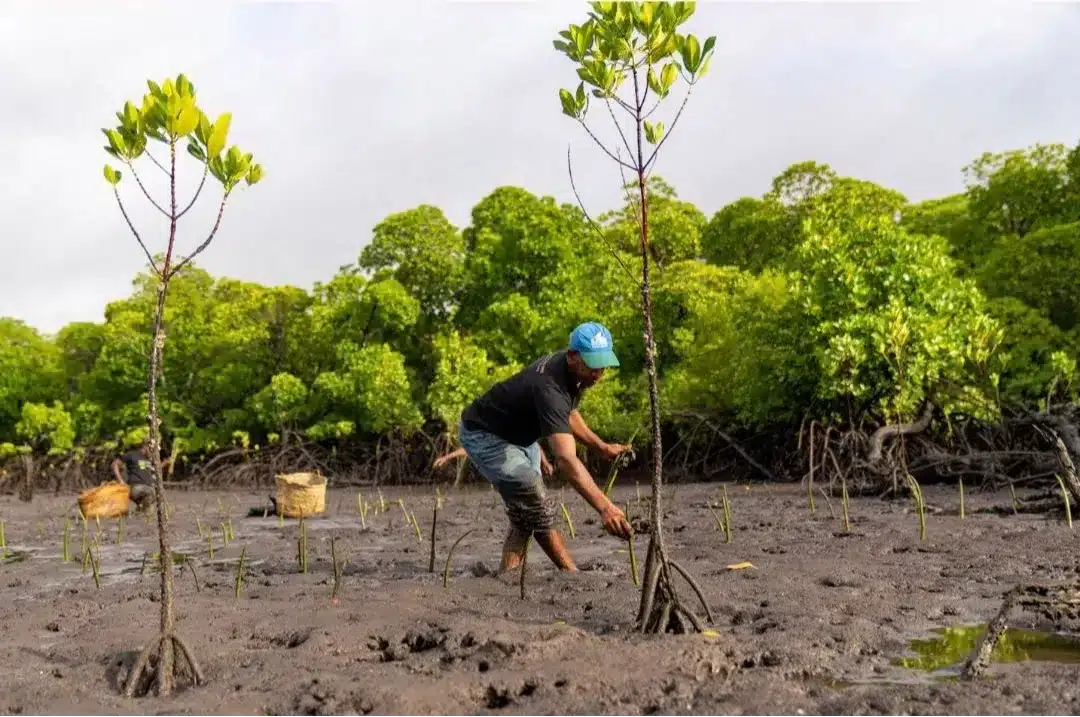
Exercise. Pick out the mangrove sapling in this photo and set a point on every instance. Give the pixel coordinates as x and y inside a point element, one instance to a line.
<point>639,42</point>
<point>88,557</point>
<point>1068,503</point>
<point>209,545</point>
<point>434,522</point>
<point>119,530</point>
<point>170,115</point>
<point>727,516</point>
<point>194,575</point>
<point>828,501</point>
<point>338,568</point>
<point>301,547</point>
<point>65,542</point>
<point>1015,500</point>
<point>524,565</point>
<point>450,556</point>
<point>382,502</point>
<point>240,571</point>
<point>224,536</point>
<point>633,556</point>
<point>920,506</point>
<point>145,560</point>
<point>198,526</point>
<point>566,519</point>
<point>962,498</point>
<point>3,542</point>
<point>844,502</point>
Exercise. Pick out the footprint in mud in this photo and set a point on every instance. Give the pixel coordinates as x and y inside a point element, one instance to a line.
<point>289,639</point>
<point>500,697</point>
<point>316,698</point>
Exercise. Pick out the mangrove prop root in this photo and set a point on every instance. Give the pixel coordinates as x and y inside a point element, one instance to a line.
<point>651,576</point>
<point>1056,602</point>
<point>979,659</point>
<point>450,556</point>
<point>695,587</point>
<point>164,647</point>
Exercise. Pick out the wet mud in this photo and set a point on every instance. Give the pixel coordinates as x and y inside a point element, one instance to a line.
<point>827,621</point>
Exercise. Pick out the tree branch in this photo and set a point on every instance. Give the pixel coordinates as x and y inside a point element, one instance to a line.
<point>146,194</point>
<point>159,164</point>
<point>198,191</point>
<point>618,127</point>
<point>135,232</point>
<point>601,146</point>
<point>671,129</point>
<point>592,223</point>
<point>199,249</point>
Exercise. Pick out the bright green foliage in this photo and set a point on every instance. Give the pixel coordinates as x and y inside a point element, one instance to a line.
<point>424,252</point>
<point>891,321</point>
<point>47,428</point>
<point>371,389</point>
<point>168,114</point>
<point>675,226</point>
<point>29,371</point>
<point>1042,269</point>
<point>283,403</point>
<point>462,372</point>
<point>1020,191</point>
<point>807,300</point>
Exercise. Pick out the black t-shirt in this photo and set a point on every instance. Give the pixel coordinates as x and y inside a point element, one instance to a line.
<point>137,467</point>
<point>532,404</point>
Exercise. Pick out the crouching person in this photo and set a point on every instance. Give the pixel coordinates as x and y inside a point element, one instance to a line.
<point>139,478</point>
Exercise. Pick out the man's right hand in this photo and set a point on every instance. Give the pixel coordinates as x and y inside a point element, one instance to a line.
<point>615,522</point>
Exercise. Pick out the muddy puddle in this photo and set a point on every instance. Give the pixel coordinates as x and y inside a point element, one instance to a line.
<point>943,653</point>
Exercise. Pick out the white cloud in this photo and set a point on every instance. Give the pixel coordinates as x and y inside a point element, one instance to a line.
<point>361,109</point>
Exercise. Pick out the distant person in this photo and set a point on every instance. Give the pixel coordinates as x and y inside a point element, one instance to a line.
<point>500,430</point>
<point>136,464</point>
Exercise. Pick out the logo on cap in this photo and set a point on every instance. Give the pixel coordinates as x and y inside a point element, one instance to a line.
<point>599,341</point>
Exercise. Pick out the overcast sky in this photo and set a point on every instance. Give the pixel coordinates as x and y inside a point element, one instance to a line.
<point>360,109</point>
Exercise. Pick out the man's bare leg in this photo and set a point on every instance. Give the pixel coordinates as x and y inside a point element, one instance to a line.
<point>513,549</point>
<point>552,543</point>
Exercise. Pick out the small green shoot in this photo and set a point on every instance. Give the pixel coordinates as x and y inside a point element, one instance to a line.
<point>339,567</point>
<point>301,546</point>
<point>120,530</point>
<point>416,528</point>
<point>633,556</point>
<point>844,501</point>
<point>566,519</point>
<point>240,571</point>
<point>3,542</point>
<point>961,499</point>
<point>66,541</point>
<point>1015,500</point>
<point>210,545</point>
<point>920,506</point>
<point>450,556</point>
<point>434,522</point>
<point>1068,503</point>
<point>727,516</point>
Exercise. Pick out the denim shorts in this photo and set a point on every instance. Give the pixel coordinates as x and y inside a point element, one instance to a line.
<point>515,472</point>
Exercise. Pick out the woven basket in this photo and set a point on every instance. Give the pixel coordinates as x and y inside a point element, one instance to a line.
<point>301,494</point>
<point>108,500</point>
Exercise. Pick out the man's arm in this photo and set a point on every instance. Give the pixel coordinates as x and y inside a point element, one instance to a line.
<point>117,464</point>
<point>614,520</point>
<point>447,457</point>
<point>583,433</point>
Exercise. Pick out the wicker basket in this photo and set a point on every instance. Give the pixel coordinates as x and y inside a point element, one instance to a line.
<point>108,500</point>
<point>301,494</point>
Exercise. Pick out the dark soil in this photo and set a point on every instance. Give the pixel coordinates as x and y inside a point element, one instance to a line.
<point>814,629</point>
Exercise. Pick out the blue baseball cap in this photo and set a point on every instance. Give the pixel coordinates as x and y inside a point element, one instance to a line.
<point>593,341</point>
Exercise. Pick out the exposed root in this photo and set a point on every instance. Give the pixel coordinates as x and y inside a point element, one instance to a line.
<point>157,665</point>
<point>696,588</point>
<point>1056,602</point>
<point>661,610</point>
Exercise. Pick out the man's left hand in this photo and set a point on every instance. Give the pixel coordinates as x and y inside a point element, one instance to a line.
<point>611,451</point>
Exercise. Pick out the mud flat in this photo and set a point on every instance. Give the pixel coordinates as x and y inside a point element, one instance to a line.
<point>826,622</point>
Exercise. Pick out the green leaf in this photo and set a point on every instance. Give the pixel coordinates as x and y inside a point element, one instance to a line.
<point>196,151</point>
<point>653,132</point>
<point>668,75</point>
<point>580,97</point>
<point>186,121</point>
<point>562,46</point>
<point>710,42</point>
<point>654,82</point>
<point>254,174</point>
<point>691,54</point>
<point>569,107</point>
<point>111,175</point>
<point>219,135</point>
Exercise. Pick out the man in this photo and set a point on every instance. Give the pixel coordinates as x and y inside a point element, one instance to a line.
<point>500,431</point>
<point>139,478</point>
